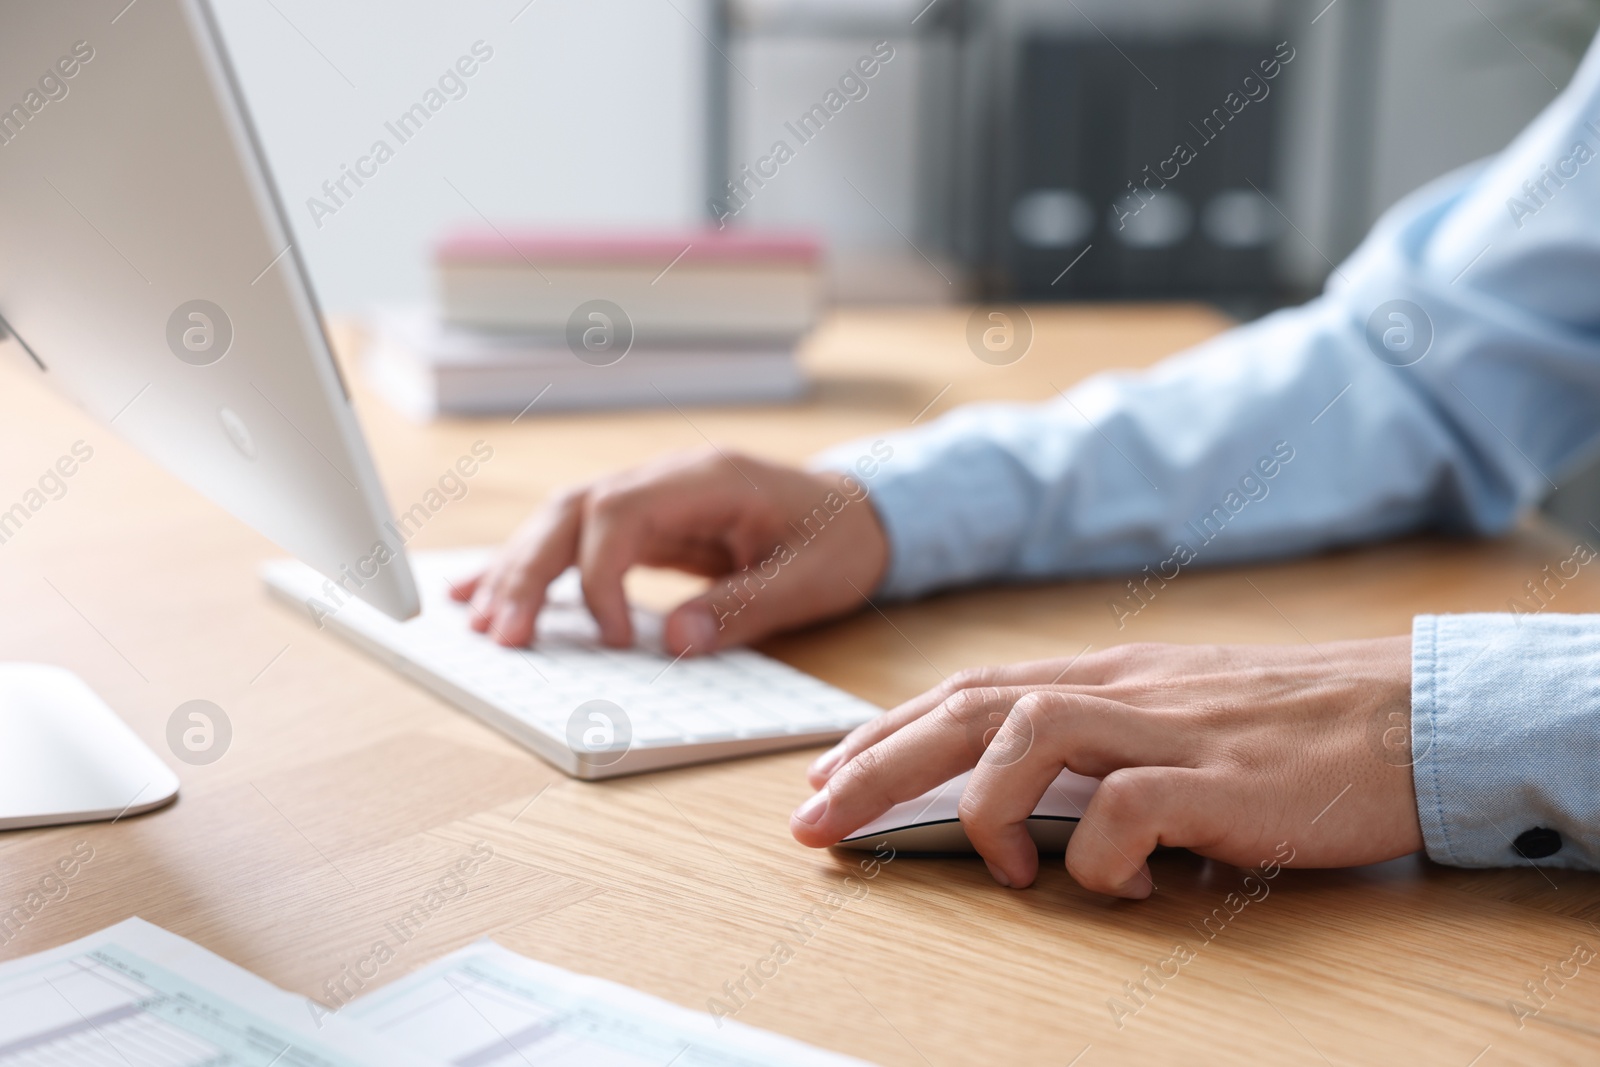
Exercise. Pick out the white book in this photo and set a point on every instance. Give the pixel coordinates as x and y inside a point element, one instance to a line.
<point>697,285</point>
<point>426,369</point>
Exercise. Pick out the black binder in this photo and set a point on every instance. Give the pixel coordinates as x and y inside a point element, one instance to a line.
<point>1090,118</point>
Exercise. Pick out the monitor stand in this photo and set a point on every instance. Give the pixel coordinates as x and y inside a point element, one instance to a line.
<point>66,757</point>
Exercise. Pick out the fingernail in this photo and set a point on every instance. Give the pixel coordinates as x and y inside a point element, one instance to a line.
<point>998,874</point>
<point>699,630</point>
<point>829,761</point>
<point>812,810</point>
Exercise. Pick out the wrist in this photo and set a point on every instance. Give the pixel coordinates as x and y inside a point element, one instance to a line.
<point>861,537</point>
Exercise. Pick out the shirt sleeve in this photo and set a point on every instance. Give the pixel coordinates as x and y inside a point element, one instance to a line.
<point>1505,738</point>
<point>1447,378</point>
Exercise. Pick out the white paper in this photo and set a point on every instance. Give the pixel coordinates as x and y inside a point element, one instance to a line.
<point>486,1006</point>
<point>134,995</point>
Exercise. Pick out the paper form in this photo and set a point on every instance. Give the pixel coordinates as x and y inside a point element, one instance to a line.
<point>134,995</point>
<point>486,1006</point>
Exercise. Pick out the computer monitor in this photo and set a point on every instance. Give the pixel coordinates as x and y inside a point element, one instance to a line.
<point>147,270</point>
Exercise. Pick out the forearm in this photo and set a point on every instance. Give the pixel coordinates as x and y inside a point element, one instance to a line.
<point>1280,437</point>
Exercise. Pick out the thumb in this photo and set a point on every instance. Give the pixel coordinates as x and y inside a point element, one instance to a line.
<point>719,618</point>
<point>785,590</point>
<point>825,572</point>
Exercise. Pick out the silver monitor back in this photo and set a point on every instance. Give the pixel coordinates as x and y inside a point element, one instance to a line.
<point>147,270</point>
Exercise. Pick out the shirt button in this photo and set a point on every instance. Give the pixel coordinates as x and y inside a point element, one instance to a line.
<point>1537,843</point>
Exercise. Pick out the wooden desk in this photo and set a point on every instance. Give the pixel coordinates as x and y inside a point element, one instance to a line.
<point>347,792</point>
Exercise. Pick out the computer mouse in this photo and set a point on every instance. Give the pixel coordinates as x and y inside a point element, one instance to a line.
<point>930,824</point>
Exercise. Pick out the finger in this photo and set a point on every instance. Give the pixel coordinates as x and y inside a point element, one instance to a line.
<point>1133,811</point>
<point>927,752</point>
<point>483,597</point>
<point>608,544</point>
<point>868,734</point>
<point>464,588</point>
<point>1047,730</point>
<point>510,601</point>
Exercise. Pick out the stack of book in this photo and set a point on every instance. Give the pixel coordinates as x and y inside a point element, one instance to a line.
<point>583,322</point>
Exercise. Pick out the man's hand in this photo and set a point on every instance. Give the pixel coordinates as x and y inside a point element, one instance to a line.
<point>1225,750</point>
<point>786,547</point>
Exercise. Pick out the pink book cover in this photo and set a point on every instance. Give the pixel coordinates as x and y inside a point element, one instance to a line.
<point>476,245</point>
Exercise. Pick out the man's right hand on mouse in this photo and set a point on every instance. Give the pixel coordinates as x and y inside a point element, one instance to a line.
<point>783,547</point>
<point>1226,750</point>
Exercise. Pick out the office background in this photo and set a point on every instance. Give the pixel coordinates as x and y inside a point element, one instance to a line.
<point>979,161</point>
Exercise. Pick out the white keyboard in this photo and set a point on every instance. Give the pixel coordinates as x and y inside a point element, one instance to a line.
<point>594,712</point>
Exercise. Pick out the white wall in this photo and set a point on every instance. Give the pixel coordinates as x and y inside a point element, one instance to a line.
<point>589,113</point>
<point>870,144</point>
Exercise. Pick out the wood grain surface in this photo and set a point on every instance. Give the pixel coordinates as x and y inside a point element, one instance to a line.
<point>347,793</point>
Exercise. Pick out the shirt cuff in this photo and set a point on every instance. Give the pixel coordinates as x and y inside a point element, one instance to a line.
<point>952,510</point>
<point>1505,737</point>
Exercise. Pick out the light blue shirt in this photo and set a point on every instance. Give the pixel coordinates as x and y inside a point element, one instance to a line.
<point>1473,392</point>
